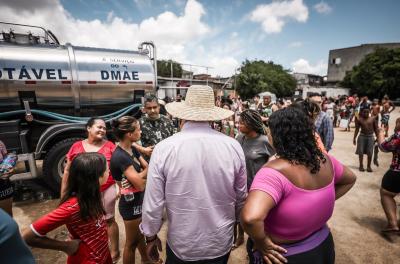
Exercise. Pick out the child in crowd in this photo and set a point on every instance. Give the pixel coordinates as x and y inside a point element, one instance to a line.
<point>387,108</point>
<point>81,210</point>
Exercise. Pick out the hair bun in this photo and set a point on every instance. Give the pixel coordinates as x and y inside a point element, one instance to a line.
<point>114,123</point>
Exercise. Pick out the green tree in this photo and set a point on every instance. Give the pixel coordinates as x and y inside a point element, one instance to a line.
<point>260,76</point>
<point>376,75</point>
<point>164,68</point>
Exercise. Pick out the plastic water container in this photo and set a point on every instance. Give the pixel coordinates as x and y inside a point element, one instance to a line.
<point>129,197</point>
<point>128,192</point>
<point>8,163</point>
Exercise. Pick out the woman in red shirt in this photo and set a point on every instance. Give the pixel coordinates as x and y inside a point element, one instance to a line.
<point>96,142</point>
<point>81,210</point>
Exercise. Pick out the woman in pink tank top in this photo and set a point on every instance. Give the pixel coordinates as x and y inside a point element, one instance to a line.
<point>292,197</point>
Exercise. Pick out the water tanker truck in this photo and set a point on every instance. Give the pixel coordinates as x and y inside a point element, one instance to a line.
<point>48,91</point>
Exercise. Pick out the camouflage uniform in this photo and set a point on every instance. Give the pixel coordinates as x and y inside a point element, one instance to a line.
<point>153,131</point>
<point>265,110</point>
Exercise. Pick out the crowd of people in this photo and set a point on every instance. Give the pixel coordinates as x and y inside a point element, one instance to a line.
<point>234,166</point>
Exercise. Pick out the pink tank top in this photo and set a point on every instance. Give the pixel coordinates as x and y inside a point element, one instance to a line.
<point>298,212</point>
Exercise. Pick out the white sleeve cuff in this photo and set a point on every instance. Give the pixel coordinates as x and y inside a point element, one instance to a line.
<point>147,234</point>
<point>36,232</point>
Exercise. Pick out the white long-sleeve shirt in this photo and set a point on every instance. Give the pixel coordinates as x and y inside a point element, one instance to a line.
<point>199,175</point>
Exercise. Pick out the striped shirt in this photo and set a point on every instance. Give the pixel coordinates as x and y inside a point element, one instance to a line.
<point>92,233</point>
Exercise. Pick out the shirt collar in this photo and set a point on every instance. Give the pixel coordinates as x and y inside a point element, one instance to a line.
<point>190,125</point>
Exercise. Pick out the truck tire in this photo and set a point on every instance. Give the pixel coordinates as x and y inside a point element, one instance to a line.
<point>54,163</point>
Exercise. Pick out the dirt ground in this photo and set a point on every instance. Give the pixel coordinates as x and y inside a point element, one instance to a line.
<point>356,222</point>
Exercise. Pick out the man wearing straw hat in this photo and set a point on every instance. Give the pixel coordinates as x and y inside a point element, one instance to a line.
<point>199,176</point>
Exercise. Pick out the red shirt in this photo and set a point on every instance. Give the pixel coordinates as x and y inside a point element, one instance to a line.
<point>92,233</point>
<point>107,149</point>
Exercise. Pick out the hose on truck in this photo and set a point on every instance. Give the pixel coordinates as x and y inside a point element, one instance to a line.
<point>71,119</point>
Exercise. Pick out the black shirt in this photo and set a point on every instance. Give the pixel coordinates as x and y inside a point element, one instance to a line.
<point>121,160</point>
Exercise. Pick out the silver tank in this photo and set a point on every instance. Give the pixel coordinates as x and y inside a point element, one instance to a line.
<point>65,77</point>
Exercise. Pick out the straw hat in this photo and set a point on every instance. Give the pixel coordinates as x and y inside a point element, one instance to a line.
<point>198,106</point>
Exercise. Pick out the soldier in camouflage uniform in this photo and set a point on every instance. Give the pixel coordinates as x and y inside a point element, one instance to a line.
<point>155,127</point>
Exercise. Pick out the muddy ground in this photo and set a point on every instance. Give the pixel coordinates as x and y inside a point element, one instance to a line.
<point>356,222</point>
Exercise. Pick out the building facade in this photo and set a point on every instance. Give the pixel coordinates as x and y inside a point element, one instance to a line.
<point>343,60</point>
<point>306,79</point>
<point>327,91</point>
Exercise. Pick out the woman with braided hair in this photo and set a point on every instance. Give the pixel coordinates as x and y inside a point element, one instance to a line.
<point>254,142</point>
<point>257,151</point>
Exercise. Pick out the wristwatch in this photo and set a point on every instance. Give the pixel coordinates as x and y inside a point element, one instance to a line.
<point>148,240</point>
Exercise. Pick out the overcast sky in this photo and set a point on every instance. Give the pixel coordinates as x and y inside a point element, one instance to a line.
<point>221,34</point>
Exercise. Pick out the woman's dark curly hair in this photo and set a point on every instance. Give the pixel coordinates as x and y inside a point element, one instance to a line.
<point>293,137</point>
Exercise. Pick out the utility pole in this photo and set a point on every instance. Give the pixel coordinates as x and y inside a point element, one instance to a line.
<point>172,78</point>
<point>191,75</point>
<point>234,82</point>
<point>207,75</point>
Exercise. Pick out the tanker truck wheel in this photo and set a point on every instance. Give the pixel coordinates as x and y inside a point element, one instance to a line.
<point>54,164</point>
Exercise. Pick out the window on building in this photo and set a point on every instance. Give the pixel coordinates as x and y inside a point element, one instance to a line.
<point>336,61</point>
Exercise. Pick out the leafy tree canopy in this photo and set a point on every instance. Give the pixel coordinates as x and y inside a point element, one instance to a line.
<point>260,76</point>
<point>376,75</point>
<point>164,68</point>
